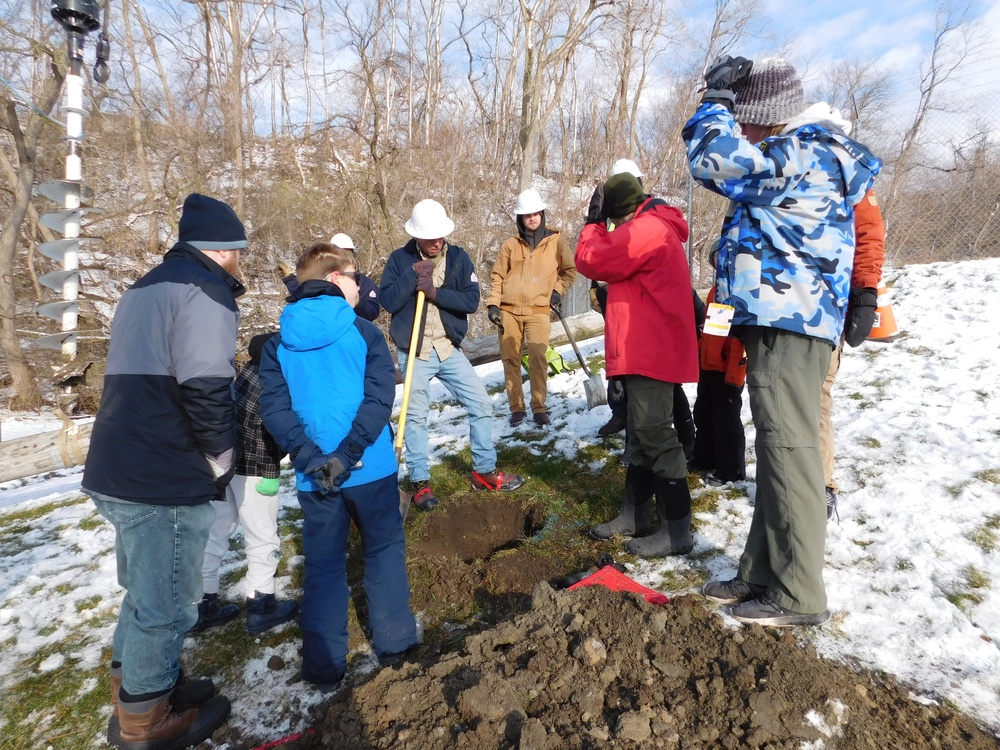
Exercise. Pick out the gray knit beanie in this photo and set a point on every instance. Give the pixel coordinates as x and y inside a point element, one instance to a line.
<point>772,96</point>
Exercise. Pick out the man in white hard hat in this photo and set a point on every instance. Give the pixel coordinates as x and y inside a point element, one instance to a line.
<point>368,306</point>
<point>447,277</point>
<point>532,271</point>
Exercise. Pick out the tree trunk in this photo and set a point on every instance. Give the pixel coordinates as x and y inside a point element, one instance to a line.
<point>28,395</point>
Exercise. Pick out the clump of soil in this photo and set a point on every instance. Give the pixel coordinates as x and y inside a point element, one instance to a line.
<point>597,669</point>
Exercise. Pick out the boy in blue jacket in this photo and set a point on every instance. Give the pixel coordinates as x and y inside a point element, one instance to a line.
<point>337,431</point>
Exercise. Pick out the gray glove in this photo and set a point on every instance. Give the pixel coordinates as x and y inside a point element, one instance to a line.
<point>493,313</point>
<point>724,79</point>
<point>330,475</point>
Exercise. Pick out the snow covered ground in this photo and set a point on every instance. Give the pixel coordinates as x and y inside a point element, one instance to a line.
<point>913,566</point>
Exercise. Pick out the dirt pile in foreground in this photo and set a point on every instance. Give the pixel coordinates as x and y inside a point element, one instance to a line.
<point>596,669</point>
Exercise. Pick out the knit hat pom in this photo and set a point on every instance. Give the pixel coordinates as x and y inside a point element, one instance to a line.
<point>210,224</point>
<point>772,96</point>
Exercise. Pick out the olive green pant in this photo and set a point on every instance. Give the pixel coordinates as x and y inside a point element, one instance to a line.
<point>785,546</point>
<point>652,437</point>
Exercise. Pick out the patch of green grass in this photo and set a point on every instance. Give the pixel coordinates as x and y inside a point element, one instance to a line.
<point>92,602</point>
<point>25,519</point>
<point>904,564</point>
<point>988,475</point>
<point>856,396</point>
<point>985,537</point>
<point>64,709</point>
<point>496,390</point>
<point>91,522</point>
<point>864,543</point>
<point>962,600</point>
<point>976,578</point>
<point>956,489</point>
<point>870,442</point>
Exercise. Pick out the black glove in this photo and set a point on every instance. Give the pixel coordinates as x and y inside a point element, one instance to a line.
<point>493,313</point>
<point>596,206</point>
<point>724,79</point>
<point>860,317</point>
<point>555,300</point>
<point>330,475</point>
<point>425,284</point>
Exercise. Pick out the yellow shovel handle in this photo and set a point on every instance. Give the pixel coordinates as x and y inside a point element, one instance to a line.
<point>411,356</point>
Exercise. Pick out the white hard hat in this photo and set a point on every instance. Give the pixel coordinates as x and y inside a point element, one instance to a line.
<point>428,221</point>
<point>529,202</point>
<point>626,165</point>
<point>342,241</point>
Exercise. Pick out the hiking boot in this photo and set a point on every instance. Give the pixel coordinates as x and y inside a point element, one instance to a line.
<point>163,727</point>
<point>714,480</point>
<point>516,417</point>
<point>212,613</point>
<point>186,695</point>
<point>541,418</point>
<point>423,495</point>
<point>614,425</point>
<point>633,518</point>
<point>831,504</point>
<point>266,611</point>
<point>496,480</point>
<point>763,611</point>
<point>733,591</point>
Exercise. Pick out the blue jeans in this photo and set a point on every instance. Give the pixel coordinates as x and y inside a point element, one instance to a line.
<point>160,549</point>
<point>458,376</point>
<point>374,508</point>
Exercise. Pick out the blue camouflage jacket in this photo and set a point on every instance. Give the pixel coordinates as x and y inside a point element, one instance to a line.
<point>787,243</point>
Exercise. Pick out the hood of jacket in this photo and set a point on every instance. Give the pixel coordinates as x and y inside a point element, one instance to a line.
<point>320,316</point>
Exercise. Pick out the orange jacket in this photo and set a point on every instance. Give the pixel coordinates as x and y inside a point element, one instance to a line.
<point>723,354</point>
<point>869,243</point>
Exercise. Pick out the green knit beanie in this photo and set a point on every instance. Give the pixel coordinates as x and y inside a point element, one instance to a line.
<point>623,194</point>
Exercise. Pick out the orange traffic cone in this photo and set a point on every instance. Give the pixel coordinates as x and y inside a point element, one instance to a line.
<point>885,328</point>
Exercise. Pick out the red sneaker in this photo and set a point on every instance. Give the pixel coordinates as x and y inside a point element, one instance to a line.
<point>496,480</point>
<point>423,497</point>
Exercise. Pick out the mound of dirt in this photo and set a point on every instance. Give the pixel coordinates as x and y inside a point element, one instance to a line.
<point>596,669</point>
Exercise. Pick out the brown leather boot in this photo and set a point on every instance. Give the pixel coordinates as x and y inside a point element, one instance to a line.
<point>186,694</point>
<point>162,727</point>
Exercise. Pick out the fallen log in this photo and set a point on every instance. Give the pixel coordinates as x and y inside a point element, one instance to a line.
<point>45,451</point>
<point>487,348</point>
<point>67,447</point>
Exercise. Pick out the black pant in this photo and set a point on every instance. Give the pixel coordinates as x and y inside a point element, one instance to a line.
<point>721,442</point>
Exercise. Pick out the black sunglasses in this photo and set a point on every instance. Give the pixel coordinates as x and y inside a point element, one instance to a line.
<point>355,275</point>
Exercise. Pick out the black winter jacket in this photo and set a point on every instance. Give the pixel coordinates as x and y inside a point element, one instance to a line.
<point>168,385</point>
<point>456,299</point>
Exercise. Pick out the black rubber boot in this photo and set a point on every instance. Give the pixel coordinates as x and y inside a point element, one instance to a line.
<point>673,537</point>
<point>633,519</point>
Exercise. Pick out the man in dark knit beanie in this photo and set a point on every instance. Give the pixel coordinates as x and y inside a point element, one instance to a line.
<point>162,448</point>
<point>623,194</point>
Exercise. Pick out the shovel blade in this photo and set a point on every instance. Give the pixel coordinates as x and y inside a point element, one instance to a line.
<point>595,392</point>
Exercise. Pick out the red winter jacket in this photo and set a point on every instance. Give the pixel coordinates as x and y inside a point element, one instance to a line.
<point>649,319</point>
<point>723,354</point>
